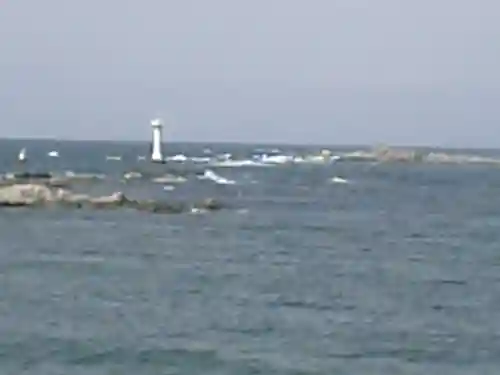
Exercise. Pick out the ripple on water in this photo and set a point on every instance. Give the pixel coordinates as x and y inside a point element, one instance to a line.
<point>395,274</point>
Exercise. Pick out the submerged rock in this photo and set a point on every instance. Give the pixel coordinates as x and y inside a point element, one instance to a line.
<point>13,204</point>
<point>29,176</point>
<point>84,176</point>
<point>160,207</point>
<point>58,182</point>
<point>44,178</point>
<point>209,204</point>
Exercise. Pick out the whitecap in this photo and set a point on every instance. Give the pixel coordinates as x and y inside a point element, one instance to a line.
<point>178,158</point>
<point>239,163</point>
<point>339,180</point>
<point>212,176</point>
<point>169,179</point>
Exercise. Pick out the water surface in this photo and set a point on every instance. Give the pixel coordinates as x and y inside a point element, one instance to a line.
<point>396,272</point>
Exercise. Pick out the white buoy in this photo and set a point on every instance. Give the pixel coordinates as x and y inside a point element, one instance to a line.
<point>156,153</point>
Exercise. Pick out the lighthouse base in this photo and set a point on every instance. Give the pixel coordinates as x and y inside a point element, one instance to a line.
<point>157,157</point>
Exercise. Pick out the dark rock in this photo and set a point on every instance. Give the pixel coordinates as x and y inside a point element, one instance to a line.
<point>14,204</point>
<point>70,204</point>
<point>58,182</point>
<point>157,207</point>
<point>28,175</point>
<point>209,204</point>
<point>170,208</point>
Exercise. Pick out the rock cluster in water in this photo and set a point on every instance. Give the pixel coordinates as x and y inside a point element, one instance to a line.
<point>39,195</point>
<point>67,178</point>
<point>387,154</point>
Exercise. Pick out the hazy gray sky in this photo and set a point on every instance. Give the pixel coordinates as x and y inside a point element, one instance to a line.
<point>327,71</point>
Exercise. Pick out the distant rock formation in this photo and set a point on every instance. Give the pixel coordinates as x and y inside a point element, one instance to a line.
<point>385,154</point>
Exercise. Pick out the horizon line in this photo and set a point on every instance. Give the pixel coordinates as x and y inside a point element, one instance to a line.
<point>259,143</point>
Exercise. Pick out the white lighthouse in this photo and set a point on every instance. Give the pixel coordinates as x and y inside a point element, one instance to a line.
<point>156,154</point>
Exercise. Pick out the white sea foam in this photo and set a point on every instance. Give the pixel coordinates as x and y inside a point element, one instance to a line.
<point>212,176</point>
<point>339,180</point>
<point>238,163</point>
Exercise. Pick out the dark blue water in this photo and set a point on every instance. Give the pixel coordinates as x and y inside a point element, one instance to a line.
<point>397,272</point>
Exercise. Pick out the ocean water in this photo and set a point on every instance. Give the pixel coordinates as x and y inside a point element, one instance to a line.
<point>395,272</point>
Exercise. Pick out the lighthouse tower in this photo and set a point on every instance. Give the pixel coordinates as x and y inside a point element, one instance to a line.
<point>156,154</point>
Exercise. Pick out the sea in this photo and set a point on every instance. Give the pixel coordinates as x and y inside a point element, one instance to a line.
<point>385,269</point>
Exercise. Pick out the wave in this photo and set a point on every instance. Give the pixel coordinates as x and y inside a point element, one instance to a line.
<point>238,163</point>
<point>339,180</point>
<point>212,176</point>
<point>169,179</point>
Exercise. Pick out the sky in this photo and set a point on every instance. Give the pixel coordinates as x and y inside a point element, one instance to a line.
<point>421,72</point>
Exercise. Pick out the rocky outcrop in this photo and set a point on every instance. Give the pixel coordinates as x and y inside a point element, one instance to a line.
<point>443,158</point>
<point>31,195</point>
<point>25,194</point>
<point>383,153</point>
<point>386,154</point>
